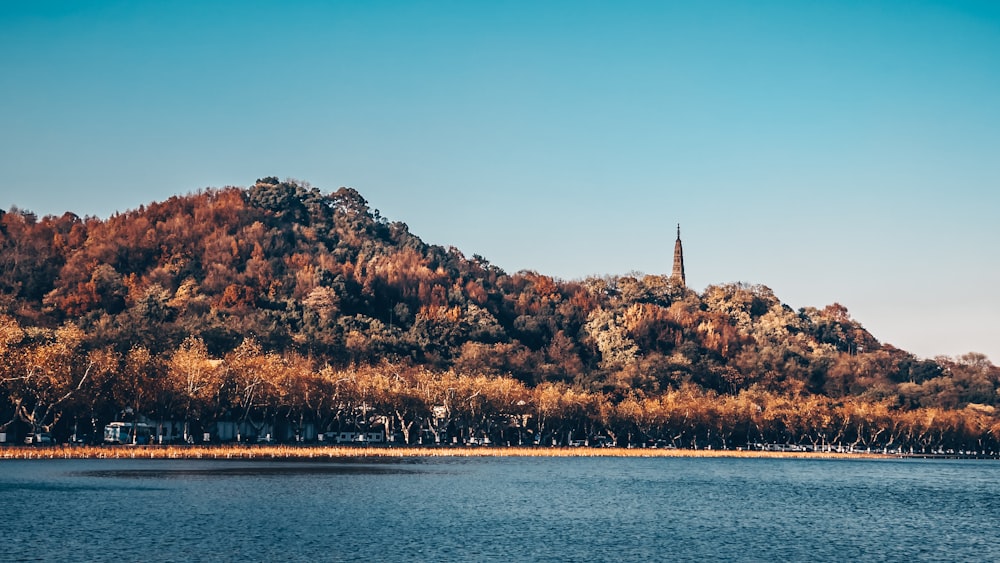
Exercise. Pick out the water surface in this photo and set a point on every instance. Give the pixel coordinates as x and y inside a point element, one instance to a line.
<point>502,509</point>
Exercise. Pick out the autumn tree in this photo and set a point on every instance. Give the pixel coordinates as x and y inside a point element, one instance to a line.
<point>136,386</point>
<point>43,372</point>
<point>195,379</point>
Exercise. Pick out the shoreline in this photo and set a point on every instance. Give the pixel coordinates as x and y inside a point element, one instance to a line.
<point>302,453</point>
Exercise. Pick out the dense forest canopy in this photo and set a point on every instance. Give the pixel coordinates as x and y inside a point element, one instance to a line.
<point>283,300</point>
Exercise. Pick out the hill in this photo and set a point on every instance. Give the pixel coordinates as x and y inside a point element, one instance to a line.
<point>98,317</point>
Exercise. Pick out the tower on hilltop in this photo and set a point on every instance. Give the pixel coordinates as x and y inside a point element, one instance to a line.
<point>678,273</point>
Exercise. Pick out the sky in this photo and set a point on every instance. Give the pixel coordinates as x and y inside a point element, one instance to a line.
<point>833,151</point>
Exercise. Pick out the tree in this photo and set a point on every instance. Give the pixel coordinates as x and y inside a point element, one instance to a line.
<point>136,385</point>
<point>195,380</point>
<point>44,374</point>
<point>250,377</point>
<point>611,338</point>
<point>403,400</point>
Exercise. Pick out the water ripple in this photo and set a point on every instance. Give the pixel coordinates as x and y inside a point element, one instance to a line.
<point>503,509</point>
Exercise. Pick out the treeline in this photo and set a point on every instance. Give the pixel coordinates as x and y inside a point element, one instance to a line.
<point>96,312</point>
<point>260,391</point>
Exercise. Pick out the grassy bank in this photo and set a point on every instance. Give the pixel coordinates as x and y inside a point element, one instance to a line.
<point>277,452</point>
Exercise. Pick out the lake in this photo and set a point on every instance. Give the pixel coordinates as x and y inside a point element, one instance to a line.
<point>501,509</point>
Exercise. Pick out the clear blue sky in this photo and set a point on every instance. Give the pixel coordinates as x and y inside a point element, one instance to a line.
<point>833,151</point>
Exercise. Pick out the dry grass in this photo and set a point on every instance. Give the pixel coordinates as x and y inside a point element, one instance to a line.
<point>277,452</point>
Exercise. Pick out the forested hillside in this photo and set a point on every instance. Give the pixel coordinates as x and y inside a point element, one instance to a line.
<point>282,301</point>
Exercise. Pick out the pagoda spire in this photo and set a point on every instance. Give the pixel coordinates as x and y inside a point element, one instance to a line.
<point>678,273</point>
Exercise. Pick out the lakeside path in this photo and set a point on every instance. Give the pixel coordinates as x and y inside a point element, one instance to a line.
<point>294,453</point>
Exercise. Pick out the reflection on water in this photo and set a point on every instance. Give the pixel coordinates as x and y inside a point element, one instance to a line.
<point>253,469</point>
<point>501,509</point>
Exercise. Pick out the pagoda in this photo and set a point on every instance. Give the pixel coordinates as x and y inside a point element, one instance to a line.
<point>678,274</point>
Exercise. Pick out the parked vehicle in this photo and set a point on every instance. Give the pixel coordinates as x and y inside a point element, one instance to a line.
<point>39,439</point>
<point>79,439</point>
<point>601,442</point>
<point>128,433</point>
